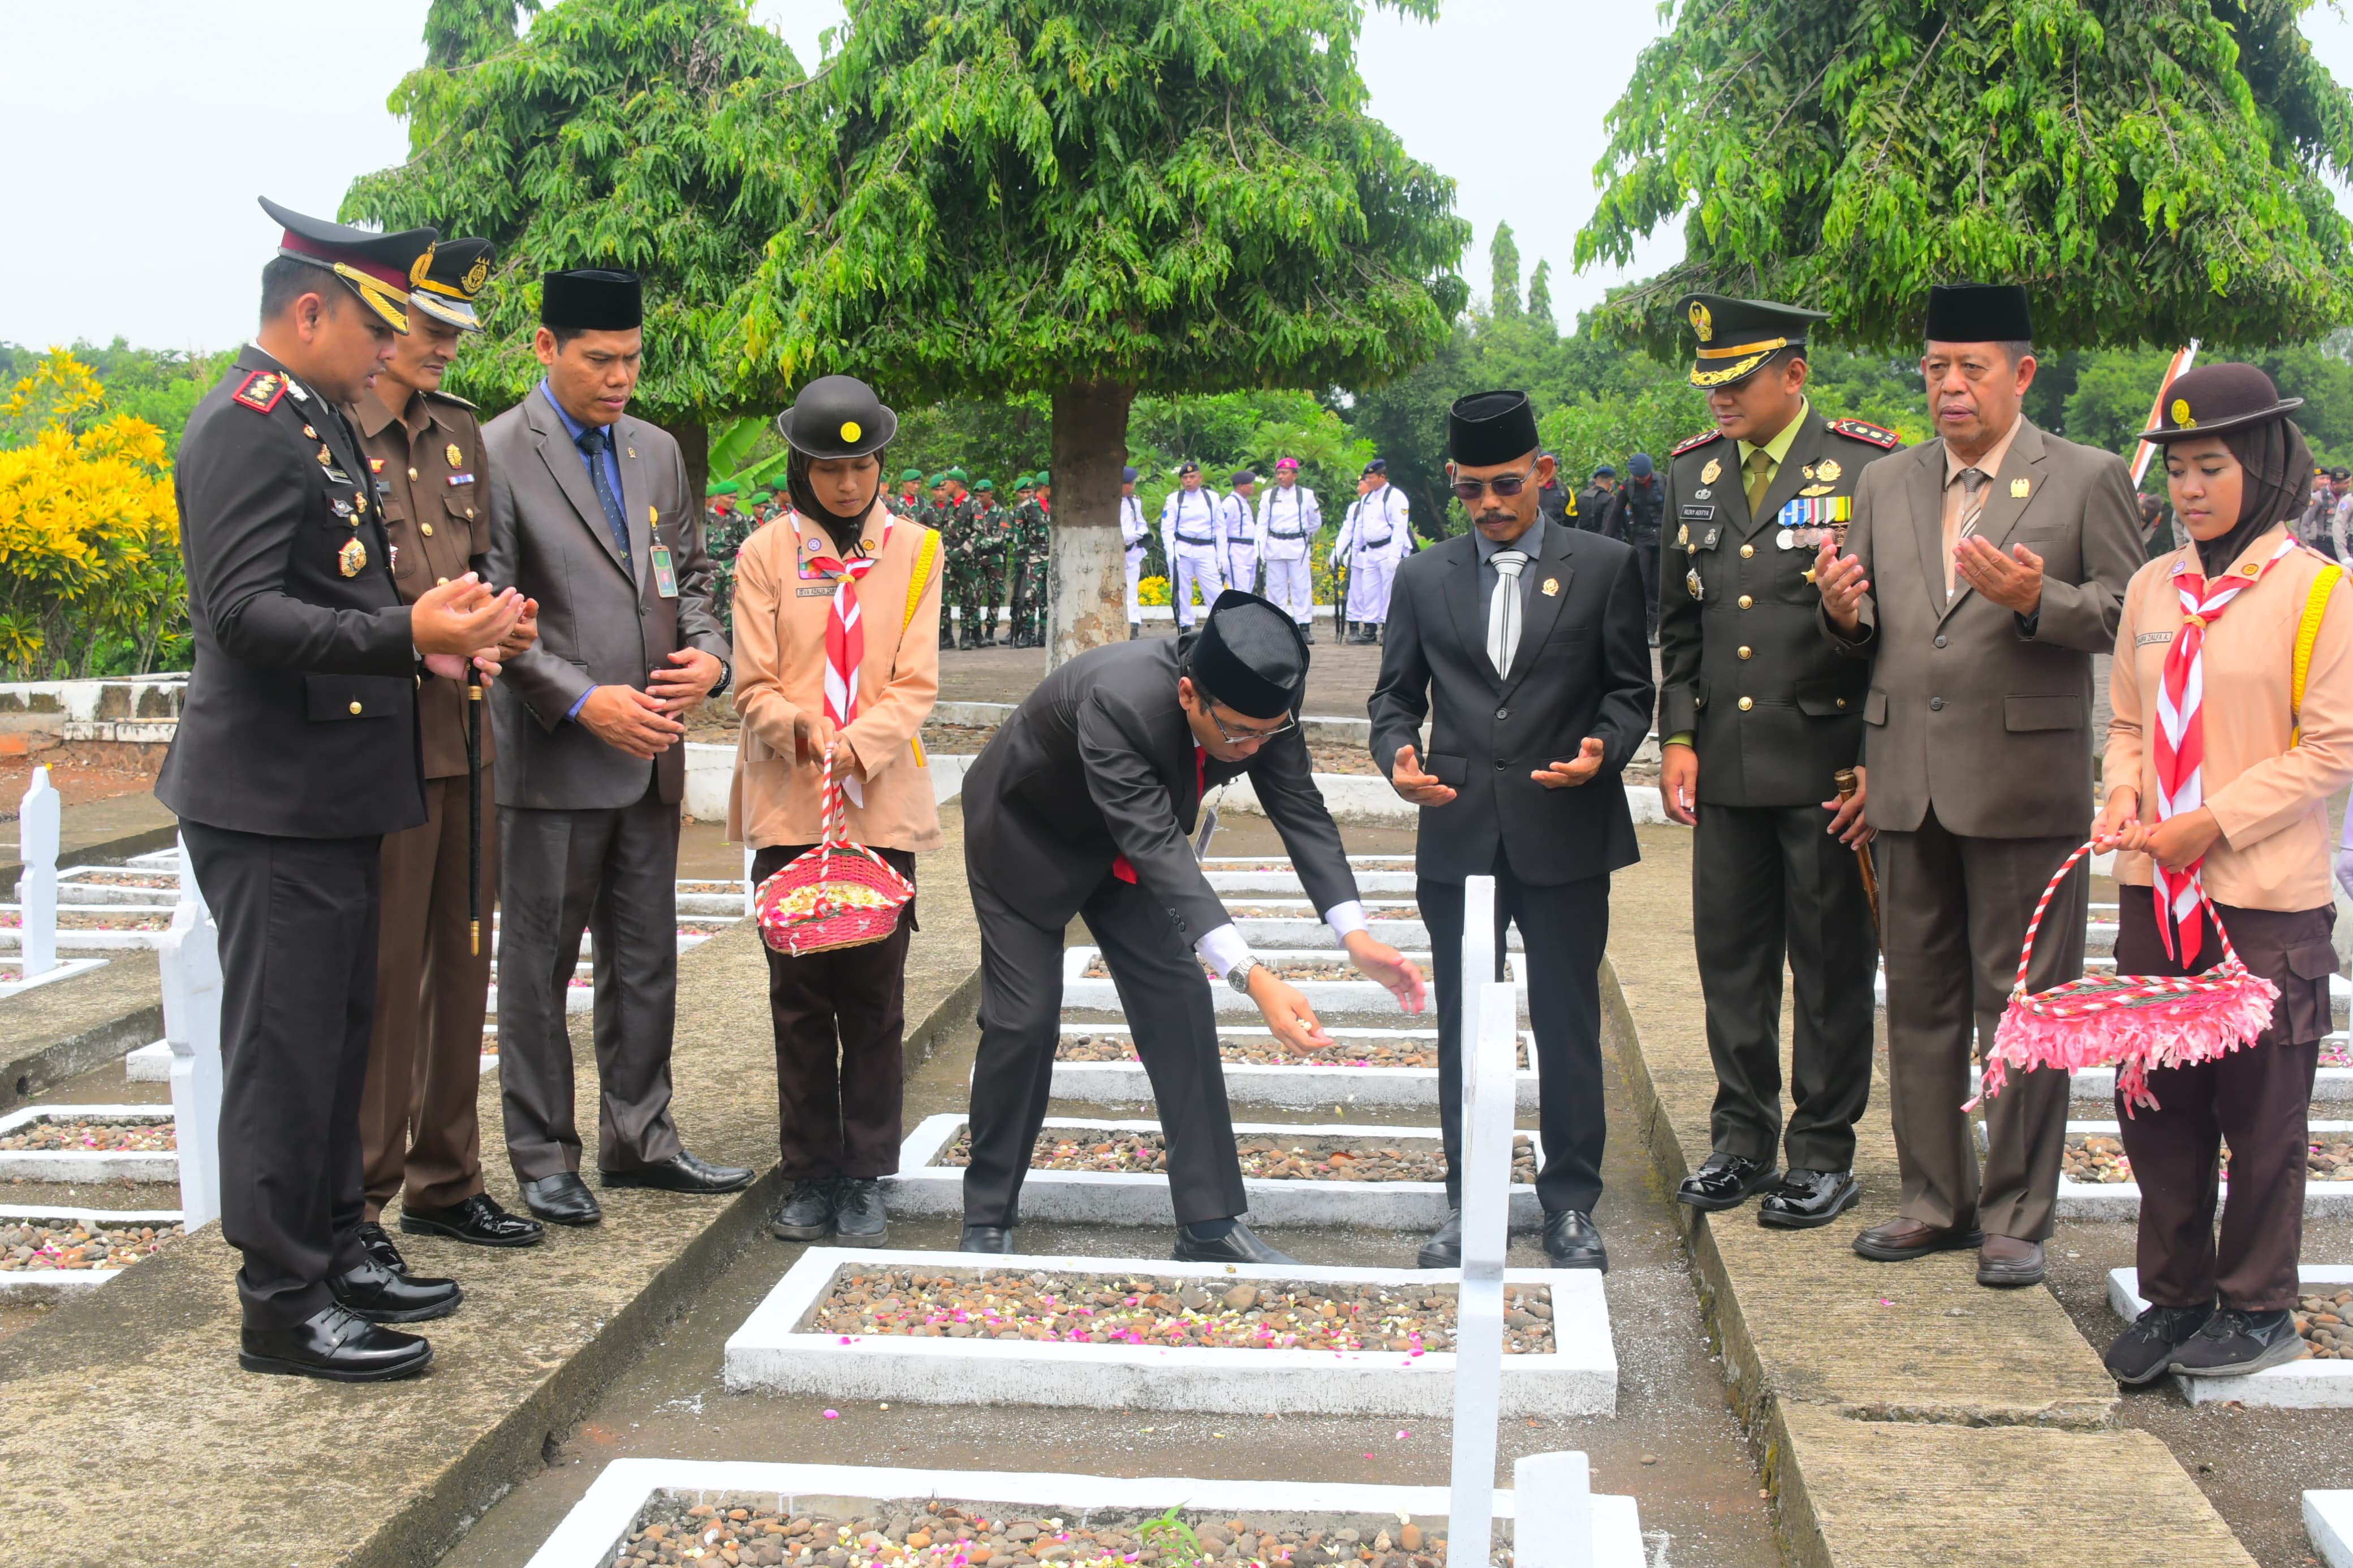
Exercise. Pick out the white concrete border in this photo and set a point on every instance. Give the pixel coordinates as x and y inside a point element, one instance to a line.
<point>2121,1200</point>
<point>2328,1521</point>
<point>773,1352</point>
<point>64,969</point>
<point>2305,1385</point>
<point>590,1533</point>
<point>1302,1088</point>
<point>86,1164</point>
<point>58,1283</point>
<point>1358,996</point>
<point>1109,1197</point>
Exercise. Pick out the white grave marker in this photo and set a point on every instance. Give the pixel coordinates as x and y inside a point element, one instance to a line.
<point>189,956</point>
<point>37,821</point>
<point>1552,1522</point>
<point>1489,1047</point>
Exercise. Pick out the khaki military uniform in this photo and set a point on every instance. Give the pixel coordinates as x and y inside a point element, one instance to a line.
<point>419,1131</point>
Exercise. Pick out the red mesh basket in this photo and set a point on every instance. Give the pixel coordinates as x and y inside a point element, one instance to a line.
<point>2128,1022</point>
<point>839,894</point>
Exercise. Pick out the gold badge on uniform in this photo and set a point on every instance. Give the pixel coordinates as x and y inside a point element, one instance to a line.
<point>456,457</point>
<point>351,559</point>
<point>1828,471</point>
<point>2017,489</point>
<point>1683,539</point>
<point>1817,489</point>
<point>1709,475</point>
<point>1702,323</point>
<point>1551,585</point>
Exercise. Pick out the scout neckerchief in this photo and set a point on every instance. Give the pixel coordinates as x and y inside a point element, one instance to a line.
<point>2181,733</point>
<point>845,629</point>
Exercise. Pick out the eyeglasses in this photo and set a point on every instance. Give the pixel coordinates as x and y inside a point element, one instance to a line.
<point>1246,737</point>
<point>1504,485</point>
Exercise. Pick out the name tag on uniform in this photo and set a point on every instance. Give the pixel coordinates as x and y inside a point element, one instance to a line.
<point>2143,639</point>
<point>812,592</point>
<point>1699,513</point>
<point>665,574</point>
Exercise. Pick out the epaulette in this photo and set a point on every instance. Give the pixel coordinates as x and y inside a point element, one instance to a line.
<point>1861,431</point>
<point>452,397</point>
<point>1701,440</point>
<point>260,391</point>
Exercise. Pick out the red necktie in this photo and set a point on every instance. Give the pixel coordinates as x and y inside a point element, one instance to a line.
<point>1125,868</point>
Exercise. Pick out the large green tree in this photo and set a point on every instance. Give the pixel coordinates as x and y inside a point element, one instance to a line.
<point>2150,169</point>
<point>1091,199</point>
<point>631,133</point>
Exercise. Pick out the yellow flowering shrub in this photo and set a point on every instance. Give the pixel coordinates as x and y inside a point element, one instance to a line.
<point>89,531</point>
<point>1152,591</point>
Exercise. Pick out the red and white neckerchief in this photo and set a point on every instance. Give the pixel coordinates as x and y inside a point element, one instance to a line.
<point>845,629</point>
<point>2181,737</point>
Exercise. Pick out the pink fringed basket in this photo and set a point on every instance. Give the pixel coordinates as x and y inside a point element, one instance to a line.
<point>840,894</point>
<point>2128,1022</point>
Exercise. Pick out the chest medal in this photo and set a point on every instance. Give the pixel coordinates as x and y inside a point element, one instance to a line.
<point>1691,581</point>
<point>1708,475</point>
<point>1828,471</point>
<point>351,559</point>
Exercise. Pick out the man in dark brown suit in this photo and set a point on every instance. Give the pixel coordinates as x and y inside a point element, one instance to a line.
<point>419,1136</point>
<point>1985,568</point>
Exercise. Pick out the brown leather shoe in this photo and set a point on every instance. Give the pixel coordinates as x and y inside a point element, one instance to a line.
<point>1900,1240</point>
<point>2004,1262</point>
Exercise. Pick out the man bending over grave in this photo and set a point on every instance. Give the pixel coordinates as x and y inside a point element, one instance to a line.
<point>1082,804</point>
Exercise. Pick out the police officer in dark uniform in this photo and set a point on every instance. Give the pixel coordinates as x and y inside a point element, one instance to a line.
<point>1760,715</point>
<point>297,751</point>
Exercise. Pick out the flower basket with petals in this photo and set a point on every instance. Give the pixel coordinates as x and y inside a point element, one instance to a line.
<point>839,894</point>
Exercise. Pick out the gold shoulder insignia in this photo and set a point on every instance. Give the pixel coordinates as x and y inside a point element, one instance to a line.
<point>1861,431</point>
<point>438,395</point>
<point>1701,440</point>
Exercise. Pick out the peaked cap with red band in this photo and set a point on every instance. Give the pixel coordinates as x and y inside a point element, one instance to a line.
<point>381,269</point>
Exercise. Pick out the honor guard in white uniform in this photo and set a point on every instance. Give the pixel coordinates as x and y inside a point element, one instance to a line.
<point>1194,542</point>
<point>1288,521</point>
<point>1238,520</point>
<point>1373,540</point>
<point>1133,534</point>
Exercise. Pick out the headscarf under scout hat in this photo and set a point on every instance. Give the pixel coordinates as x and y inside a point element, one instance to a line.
<point>834,416</point>
<point>2239,404</point>
<point>1249,656</point>
<point>592,299</point>
<point>381,269</point>
<point>459,270</point>
<point>1738,336</point>
<point>1979,313</point>
<point>1491,427</point>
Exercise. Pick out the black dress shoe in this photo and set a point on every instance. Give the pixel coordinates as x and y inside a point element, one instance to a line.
<point>334,1345</point>
<point>681,1172</point>
<point>1444,1247</point>
<point>808,1214</point>
<point>987,1238</point>
<point>477,1221</point>
<point>1571,1241</point>
<point>858,1217</point>
<point>1807,1198</point>
<point>1239,1245</point>
<point>370,1291</point>
<point>561,1199</point>
<point>1724,1181</point>
<point>379,1247</point>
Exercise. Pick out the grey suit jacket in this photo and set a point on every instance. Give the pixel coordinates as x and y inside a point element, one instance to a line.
<point>1970,712</point>
<point>596,625</point>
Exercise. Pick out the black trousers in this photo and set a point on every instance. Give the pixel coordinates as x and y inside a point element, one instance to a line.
<point>1564,929</point>
<point>1647,546</point>
<point>841,1025</point>
<point>1768,881</point>
<point>298,957</point>
<point>1175,1025</point>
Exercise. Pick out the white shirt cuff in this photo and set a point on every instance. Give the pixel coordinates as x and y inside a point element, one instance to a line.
<point>1223,948</point>
<point>1346,918</point>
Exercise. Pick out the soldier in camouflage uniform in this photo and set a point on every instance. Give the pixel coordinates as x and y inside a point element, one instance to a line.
<point>992,538</point>
<point>959,518</point>
<point>1031,548</point>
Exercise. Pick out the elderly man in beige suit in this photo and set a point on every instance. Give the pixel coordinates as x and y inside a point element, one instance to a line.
<point>1985,569</point>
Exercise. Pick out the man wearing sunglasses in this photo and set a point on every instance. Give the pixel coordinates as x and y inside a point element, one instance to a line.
<point>1523,643</point>
<point>1082,804</point>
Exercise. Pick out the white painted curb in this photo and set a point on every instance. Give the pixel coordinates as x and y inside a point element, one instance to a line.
<point>2121,1200</point>
<point>2328,1521</point>
<point>1303,1087</point>
<point>86,1164</point>
<point>590,1535</point>
<point>1109,1197</point>
<point>1336,996</point>
<point>1368,800</point>
<point>2296,1385</point>
<point>771,1351</point>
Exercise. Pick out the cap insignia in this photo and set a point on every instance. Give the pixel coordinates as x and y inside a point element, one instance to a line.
<point>477,275</point>
<point>2181,413</point>
<point>851,430</point>
<point>1702,323</point>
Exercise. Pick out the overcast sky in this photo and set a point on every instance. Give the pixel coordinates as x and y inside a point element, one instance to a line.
<point>138,133</point>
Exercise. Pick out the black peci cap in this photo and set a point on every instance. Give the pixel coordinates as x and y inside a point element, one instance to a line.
<point>459,271</point>
<point>381,269</point>
<point>1249,656</point>
<point>1738,336</point>
<point>1979,313</point>
<point>2218,397</point>
<point>839,416</point>
<point>592,299</point>
<point>1490,427</point>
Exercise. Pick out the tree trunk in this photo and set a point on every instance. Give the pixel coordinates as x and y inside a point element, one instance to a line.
<point>1087,581</point>
<point>693,438</point>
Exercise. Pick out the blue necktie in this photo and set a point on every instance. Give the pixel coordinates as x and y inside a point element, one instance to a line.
<point>594,441</point>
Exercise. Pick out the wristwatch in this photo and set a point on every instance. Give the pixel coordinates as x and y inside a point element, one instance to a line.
<point>726,678</point>
<point>1239,975</point>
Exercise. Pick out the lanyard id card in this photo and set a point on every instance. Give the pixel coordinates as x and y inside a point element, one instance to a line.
<point>665,574</point>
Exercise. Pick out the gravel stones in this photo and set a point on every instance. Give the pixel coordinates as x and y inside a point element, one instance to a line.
<point>115,1137</point>
<point>1161,1311</point>
<point>2100,1158</point>
<point>1290,969</point>
<point>1316,1158</point>
<point>673,1532</point>
<point>1244,1050</point>
<point>1373,911</point>
<point>2325,1321</point>
<point>36,1247</point>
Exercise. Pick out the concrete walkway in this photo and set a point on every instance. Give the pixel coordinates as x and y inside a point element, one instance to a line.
<point>1903,1413</point>
<point>128,1405</point>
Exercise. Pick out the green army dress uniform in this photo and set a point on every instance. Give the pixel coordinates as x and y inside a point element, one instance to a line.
<point>1773,714</point>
